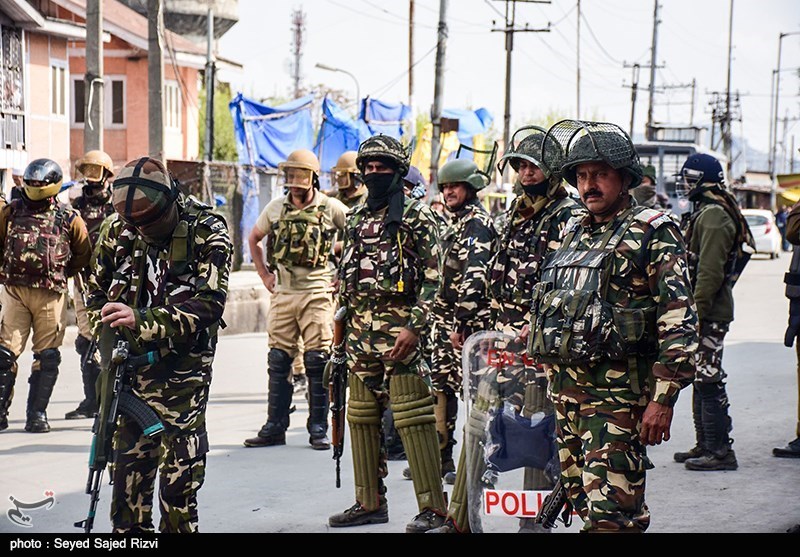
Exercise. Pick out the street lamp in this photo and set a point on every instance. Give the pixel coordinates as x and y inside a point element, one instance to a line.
<point>332,69</point>
<point>774,122</point>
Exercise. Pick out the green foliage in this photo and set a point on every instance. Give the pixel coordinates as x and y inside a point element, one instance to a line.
<point>224,142</point>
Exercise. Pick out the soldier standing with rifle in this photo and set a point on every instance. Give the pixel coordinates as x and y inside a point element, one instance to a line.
<point>160,279</point>
<point>613,319</point>
<point>94,205</point>
<point>388,278</point>
<point>44,243</point>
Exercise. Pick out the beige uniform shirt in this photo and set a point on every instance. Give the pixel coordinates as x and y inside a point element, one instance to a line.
<point>304,279</point>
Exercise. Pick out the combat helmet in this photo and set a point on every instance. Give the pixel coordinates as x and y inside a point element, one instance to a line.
<point>300,169</point>
<point>42,179</point>
<point>385,148</point>
<point>143,192</point>
<point>345,173</point>
<point>526,144</point>
<point>463,170</point>
<point>95,165</point>
<point>700,172</point>
<point>586,142</point>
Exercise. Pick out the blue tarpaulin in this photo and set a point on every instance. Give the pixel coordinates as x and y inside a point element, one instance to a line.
<point>266,135</point>
<point>385,118</point>
<point>337,134</point>
<point>470,122</point>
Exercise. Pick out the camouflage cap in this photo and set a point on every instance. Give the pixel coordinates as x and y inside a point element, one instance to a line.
<point>595,142</point>
<point>385,148</point>
<point>650,172</point>
<point>143,191</point>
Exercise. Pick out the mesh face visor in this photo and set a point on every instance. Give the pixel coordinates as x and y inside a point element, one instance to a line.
<point>524,144</point>
<point>292,177</point>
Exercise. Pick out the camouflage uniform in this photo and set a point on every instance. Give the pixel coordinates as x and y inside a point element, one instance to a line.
<point>614,319</point>
<point>353,201</point>
<point>44,243</point>
<point>388,279</point>
<point>93,212</point>
<point>178,292</point>
<point>461,306</point>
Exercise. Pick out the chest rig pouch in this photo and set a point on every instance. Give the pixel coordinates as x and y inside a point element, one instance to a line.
<point>573,323</point>
<point>515,268</point>
<point>300,238</point>
<point>376,263</point>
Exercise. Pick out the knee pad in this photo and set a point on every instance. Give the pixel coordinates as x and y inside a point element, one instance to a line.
<point>364,417</point>
<point>279,362</point>
<point>82,344</point>
<point>7,359</point>
<point>414,418</point>
<point>314,362</point>
<point>49,359</point>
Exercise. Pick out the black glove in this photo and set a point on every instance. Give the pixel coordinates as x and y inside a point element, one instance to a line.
<point>794,322</point>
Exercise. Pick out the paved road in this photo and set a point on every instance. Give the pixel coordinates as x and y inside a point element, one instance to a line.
<point>291,488</point>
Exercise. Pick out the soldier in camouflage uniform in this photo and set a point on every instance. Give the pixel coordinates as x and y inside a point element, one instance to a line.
<point>533,229</point>
<point>461,306</point>
<point>714,232</point>
<point>44,243</point>
<point>613,318</point>
<point>159,277</point>
<point>94,205</point>
<point>301,230</point>
<point>350,188</point>
<point>388,279</point>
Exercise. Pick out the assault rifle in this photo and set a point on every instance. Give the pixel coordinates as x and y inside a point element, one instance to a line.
<point>555,504</point>
<point>337,388</point>
<point>116,398</point>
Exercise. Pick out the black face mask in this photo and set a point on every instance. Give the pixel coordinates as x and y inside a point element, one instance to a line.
<point>96,193</point>
<point>536,189</point>
<point>383,190</point>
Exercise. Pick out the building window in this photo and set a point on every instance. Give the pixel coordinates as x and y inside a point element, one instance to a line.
<point>58,90</point>
<point>113,105</point>
<point>172,105</point>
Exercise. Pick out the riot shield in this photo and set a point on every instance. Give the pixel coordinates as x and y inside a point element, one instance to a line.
<point>509,437</point>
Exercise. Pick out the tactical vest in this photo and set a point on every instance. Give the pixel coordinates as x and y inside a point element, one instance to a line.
<point>93,215</point>
<point>515,269</point>
<point>573,322</point>
<point>37,248</point>
<point>299,238</point>
<point>738,257</point>
<point>375,263</point>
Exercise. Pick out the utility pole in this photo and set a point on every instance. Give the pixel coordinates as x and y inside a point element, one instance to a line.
<point>298,28</point>
<point>155,79</point>
<point>691,114</point>
<point>578,67</point>
<point>93,89</point>
<point>210,71</point>
<point>509,30</point>
<point>726,131</point>
<point>634,89</point>
<point>438,88</point>
<point>410,61</point>
<point>648,130</point>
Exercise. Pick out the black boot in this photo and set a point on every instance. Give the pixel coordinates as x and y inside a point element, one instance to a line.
<point>317,425</point>
<point>8,375</point>
<point>716,429</point>
<point>279,398</point>
<point>42,383</point>
<point>791,450</point>
<point>89,372</point>
<point>697,417</point>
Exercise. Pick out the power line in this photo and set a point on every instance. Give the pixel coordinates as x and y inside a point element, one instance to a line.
<point>596,40</point>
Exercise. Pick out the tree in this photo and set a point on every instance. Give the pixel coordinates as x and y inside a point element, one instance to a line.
<point>224,142</point>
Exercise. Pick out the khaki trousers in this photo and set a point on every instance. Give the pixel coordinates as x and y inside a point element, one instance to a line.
<point>304,315</point>
<point>25,308</point>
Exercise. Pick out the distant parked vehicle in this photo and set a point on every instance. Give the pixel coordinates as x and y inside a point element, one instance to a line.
<point>765,231</point>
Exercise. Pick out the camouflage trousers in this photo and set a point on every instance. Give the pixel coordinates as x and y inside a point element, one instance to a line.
<point>603,464</point>
<point>709,352</point>
<point>371,334</point>
<point>178,456</point>
<point>445,360</point>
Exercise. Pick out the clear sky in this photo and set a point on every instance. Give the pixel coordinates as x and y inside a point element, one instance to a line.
<point>369,38</point>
